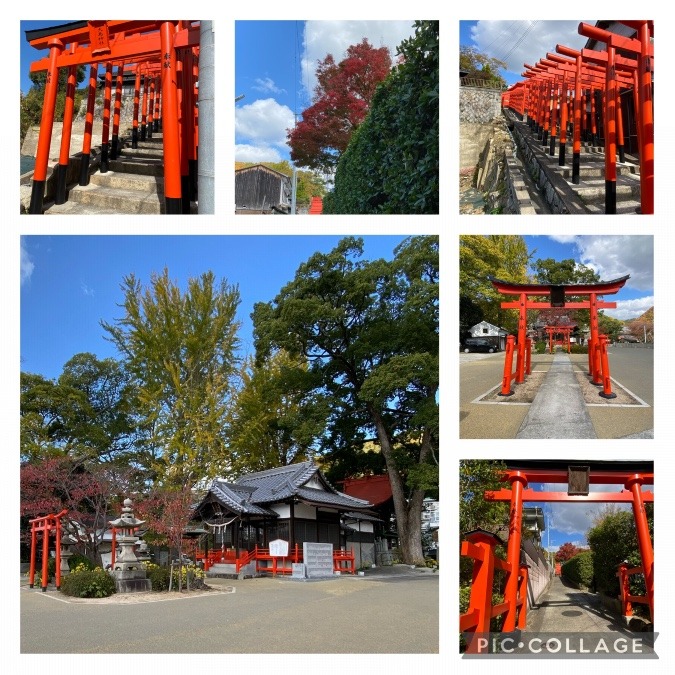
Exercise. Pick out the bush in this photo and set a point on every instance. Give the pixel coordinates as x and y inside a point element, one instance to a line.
<point>78,560</point>
<point>613,540</point>
<point>579,569</point>
<point>540,347</point>
<point>579,349</point>
<point>159,577</point>
<point>84,583</point>
<point>391,162</point>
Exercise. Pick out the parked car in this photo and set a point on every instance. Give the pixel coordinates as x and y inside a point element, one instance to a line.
<point>479,345</point>
<point>628,338</point>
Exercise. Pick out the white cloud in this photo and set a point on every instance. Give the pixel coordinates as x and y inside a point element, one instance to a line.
<point>256,153</point>
<point>27,265</point>
<point>263,123</point>
<point>631,309</point>
<point>521,42</point>
<point>267,84</point>
<point>87,290</point>
<point>576,519</point>
<point>334,37</point>
<point>612,257</point>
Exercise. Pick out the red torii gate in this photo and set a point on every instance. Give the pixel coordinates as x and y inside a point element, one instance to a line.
<point>164,43</point>
<point>480,544</point>
<point>46,525</point>
<point>565,331</point>
<point>598,361</point>
<point>596,71</point>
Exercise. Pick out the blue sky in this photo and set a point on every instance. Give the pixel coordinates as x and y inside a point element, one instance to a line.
<point>611,257</point>
<point>70,283</point>
<point>275,64</point>
<point>566,521</point>
<point>28,54</point>
<point>520,42</point>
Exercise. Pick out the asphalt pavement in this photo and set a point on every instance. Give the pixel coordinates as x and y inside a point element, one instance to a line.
<point>391,610</point>
<point>631,368</point>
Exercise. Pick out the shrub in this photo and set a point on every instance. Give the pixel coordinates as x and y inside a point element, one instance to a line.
<point>540,347</point>
<point>579,569</point>
<point>77,560</point>
<point>84,583</point>
<point>391,162</point>
<point>159,577</point>
<point>613,540</point>
<point>579,349</point>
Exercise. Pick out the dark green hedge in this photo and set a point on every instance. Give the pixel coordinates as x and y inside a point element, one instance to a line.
<point>613,540</point>
<point>391,163</point>
<point>579,569</point>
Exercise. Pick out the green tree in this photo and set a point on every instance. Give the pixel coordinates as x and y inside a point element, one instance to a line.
<point>85,413</point>
<point>475,512</point>
<point>179,349</point>
<point>275,417</point>
<point>479,66</point>
<point>502,256</point>
<point>609,326</point>
<point>370,333</point>
<point>391,163</point>
<point>32,102</point>
<point>613,539</point>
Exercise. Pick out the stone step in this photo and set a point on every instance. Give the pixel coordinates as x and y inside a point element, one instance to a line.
<point>129,181</point>
<point>144,152</point>
<point>115,201</point>
<point>596,170</point>
<point>146,166</point>
<point>623,207</point>
<point>593,190</point>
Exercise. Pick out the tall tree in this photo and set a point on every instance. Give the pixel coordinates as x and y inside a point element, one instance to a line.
<point>370,333</point>
<point>275,418</point>
<point>502,256</point>
<point>179,348</point>
<point>341,100</point>
<point>86,412</point>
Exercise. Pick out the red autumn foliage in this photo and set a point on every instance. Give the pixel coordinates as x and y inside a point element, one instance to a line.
<point>567,551</point>
<point>341,101</point>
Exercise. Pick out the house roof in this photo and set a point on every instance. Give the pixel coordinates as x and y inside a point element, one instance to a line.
<point>254,493</point>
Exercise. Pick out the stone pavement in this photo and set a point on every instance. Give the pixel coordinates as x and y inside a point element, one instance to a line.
<point>392,610</point>
<point>480,374</point>
<point>558,409</point>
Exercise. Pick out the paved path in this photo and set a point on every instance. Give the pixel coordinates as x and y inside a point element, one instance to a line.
<point>394,611</point>
<point>558,409</point>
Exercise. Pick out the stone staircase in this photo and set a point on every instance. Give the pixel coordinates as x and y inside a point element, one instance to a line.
<point>134,184</point>
<point>555,181</point>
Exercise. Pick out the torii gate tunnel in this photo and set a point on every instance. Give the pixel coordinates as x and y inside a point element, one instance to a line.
<point>564,296</point>
<point>165,55</point>
<point>592,85</point>
<point>479,545</point>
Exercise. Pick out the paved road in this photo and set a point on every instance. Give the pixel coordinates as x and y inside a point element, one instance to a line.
<point>378,614</point>
<point>633,368</point>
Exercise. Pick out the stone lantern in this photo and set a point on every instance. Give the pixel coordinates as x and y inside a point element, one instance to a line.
<point>130,576</point>
<point>67,540</point>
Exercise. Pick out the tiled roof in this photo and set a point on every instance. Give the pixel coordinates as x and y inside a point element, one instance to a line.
<point>251,494</point>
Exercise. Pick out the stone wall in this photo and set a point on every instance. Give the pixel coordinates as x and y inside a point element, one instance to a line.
<point>478,105</point>
<point>539,574</point>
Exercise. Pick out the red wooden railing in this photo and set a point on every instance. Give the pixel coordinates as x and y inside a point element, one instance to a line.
<point>627,599</point>
<point>480,546</point>
<point>343,560</point>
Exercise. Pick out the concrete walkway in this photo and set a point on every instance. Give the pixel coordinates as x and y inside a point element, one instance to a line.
<point>558,409</point>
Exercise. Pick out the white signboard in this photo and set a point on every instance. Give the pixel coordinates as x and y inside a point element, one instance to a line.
<point>279,548</point>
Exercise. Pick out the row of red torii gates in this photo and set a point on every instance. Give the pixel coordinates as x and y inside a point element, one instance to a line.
<point>556,84</point>
<point>563,296</point>
<point>479,545</point>
<point>162,54</point>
